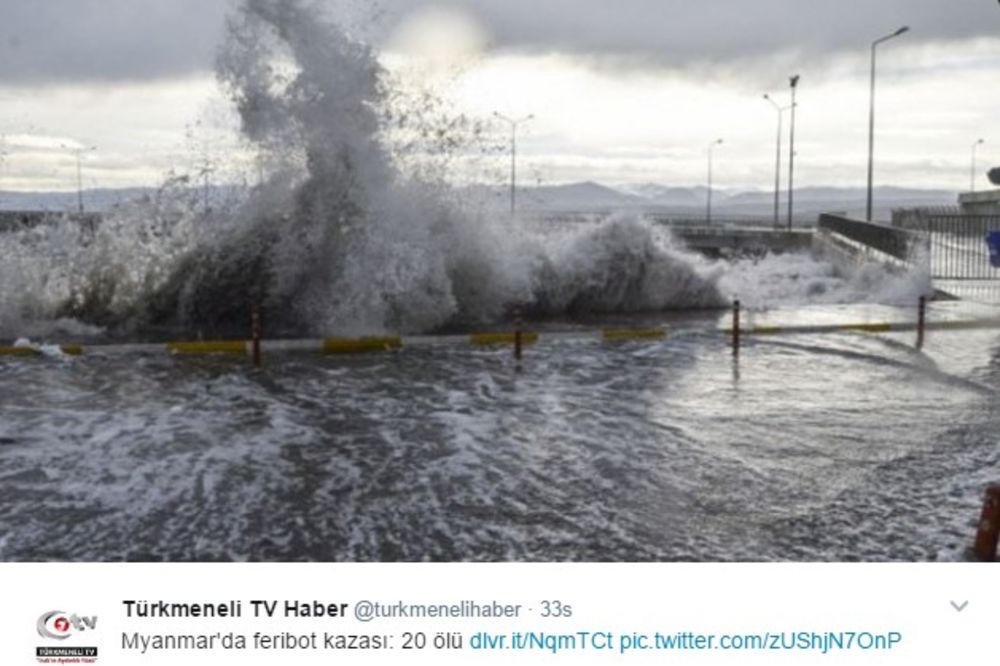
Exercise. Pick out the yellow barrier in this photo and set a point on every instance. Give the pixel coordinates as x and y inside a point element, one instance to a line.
<point>361,345</point>
<point>18,351</point>
<point>210,347</point>
<point>487,339</point>
<point>828,328</point>
<point>70,350</point>
<point>980,324</point>
<point>867,328</point>
<point>634,334</point>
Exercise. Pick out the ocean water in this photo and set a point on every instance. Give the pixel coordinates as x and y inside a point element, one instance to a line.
<point>838,447</point>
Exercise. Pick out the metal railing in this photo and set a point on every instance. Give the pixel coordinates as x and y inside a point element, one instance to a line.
<point>958,255</point>
<point>956,242</point>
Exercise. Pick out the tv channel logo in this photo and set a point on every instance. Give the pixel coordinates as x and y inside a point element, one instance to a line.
<point>59,625</point>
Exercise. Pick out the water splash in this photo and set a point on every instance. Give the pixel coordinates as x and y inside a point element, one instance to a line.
<point>339,238</point>
<point>801,279</point>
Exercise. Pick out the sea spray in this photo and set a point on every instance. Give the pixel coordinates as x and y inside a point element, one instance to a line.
<point>366,248</point>
<point>338,238</point>
<point>800,279</point>
<point>623,265</point>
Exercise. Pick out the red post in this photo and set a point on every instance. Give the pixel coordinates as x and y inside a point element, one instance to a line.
<point>736,327</point>
<point>255,334</point>
<point>989,526</point>
<point>921,321</point>
<point>518,324</point>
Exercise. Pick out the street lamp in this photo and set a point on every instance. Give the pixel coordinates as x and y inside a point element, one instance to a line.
<point>708,212</point>
<point>777,162</point>
<point>78,152</point>
<point>972,170</point>
<point>205,173</point>
<point>793,83</point>
<point>513,154</point>
<point>3,158</point>
<point>871,119</point>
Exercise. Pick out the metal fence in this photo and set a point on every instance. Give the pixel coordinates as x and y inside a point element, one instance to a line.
<point>951,244</point>
<point>958,255</point>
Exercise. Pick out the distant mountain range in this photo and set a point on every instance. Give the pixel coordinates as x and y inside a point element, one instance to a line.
<point>93,200</point>
<point>654,198</point>
<point>585,197</point>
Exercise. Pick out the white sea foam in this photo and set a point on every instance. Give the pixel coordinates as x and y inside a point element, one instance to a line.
<point>801,279</point>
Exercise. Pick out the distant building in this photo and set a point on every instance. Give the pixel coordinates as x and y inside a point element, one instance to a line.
<point>980,203</point>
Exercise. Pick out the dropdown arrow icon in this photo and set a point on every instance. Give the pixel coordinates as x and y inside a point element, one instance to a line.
<point>959,606</point>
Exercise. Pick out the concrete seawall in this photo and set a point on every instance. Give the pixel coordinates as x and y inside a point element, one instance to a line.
<point>848,243</point>
<point>721,241</point>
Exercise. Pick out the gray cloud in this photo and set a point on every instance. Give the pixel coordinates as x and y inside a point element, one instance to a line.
<point>679,31</point>
<point>85,40</point>
<point>67,40</point>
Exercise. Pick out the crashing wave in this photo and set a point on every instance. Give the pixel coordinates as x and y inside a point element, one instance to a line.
<point>338,239</point>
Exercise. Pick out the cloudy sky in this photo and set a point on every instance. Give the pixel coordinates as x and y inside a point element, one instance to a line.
<point>629,91</point>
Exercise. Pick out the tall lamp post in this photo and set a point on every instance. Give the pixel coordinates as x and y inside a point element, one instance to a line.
<point>513,122</point>
<point>871,119</point>
<point>206,173</point>
<point>3,158</point>
<point>777,160</point>
<point>972,169</point>
<point>708,211</point>
<point>793,83</point>
<point>78,153</point>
